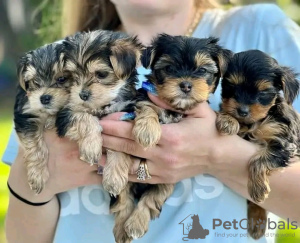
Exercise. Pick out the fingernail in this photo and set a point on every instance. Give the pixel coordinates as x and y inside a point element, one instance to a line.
<point>128,116</point>
<point>146,85</point>
<point>100,170</point>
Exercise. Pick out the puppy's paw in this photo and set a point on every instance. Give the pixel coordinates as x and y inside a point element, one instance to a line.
<point>137,224</point>
<point>258,230</point>
<point>292,148</point>
<point>147,132</point>
<point>114,183</point>
<point>121,235</point>
<point>258,182</point>
<point>89,157</point>
<point>227,125</point>
<point>115,172</point>
<point>37,178</point>
<point>258,187</point>
<point>90,150</point>
<point>257,218</point>
<point>259,191</point>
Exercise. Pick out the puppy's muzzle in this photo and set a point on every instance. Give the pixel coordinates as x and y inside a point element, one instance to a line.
<point>84,95</point>
<point>46,99</point>
<point>243,111</point>
<point>185,87</point>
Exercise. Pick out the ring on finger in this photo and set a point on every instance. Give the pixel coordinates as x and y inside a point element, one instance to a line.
<point>143,171</point>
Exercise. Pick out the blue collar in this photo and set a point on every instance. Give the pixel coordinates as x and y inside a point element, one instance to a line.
<point>149,87</point>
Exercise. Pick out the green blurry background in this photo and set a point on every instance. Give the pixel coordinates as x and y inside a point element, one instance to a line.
<point>42,19</point>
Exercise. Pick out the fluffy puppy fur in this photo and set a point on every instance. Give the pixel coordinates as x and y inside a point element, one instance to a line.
<point>43,89</point>
<point>254,108</point>
<point>103,64</point>
<point>184,72</point>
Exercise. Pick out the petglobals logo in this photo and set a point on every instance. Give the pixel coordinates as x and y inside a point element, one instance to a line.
<point>192,228</point>
<point>246,224</point>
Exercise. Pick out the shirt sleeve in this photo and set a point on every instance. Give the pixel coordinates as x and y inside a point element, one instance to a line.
<point>11,150</point>
<point>279,36</point>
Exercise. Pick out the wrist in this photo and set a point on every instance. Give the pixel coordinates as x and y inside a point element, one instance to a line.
<point>17,196</point>
<point>18,182</point>
<point>230,156</point>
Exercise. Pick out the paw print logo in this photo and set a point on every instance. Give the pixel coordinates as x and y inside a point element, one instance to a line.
<point>261,224</point>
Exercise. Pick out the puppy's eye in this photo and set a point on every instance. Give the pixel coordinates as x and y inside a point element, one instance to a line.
<point>36,84</point>
<point>26,85</point>
<point>266,98</point>
<point>101,74</point>
<point>170,69</point>
<point>61,80</point>
<point>201,71</point>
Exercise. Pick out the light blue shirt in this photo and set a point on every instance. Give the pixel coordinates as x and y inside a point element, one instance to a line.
<point>84,216</point>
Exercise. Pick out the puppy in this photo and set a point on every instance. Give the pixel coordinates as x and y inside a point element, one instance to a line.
<point>254,108</point>
<point>103,64</point>
<point>184,72</point>
<point>43,90</point>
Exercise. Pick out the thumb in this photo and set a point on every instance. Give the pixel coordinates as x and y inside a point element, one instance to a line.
<point>157,101</point>
<point>114,116</point>
<point>200,111</point>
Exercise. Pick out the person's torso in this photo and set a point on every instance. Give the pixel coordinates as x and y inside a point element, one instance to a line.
<point>85,213</point>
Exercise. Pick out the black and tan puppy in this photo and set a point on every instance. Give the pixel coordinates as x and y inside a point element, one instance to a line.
<point>103,65</point>
<point>254,108</point>
<point>184,72</point>
<point>43,90</point>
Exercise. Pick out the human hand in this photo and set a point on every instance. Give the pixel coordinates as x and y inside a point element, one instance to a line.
<point>184,150</point>
<point>65,168</point>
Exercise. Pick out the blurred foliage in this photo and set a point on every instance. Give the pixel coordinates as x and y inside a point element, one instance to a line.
<point>291,7</point>
<point>46,21</point>
<point>5,128</point>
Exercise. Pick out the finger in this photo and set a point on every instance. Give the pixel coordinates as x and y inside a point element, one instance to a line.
<point>153,180</point>
<point>114,116</point>
<point>117,128</point>
<point>133,172</point>
<point>202,110</point>
<point>162,104</point>
<point>127,146</point>
<point>102,161</point>
<point>135,165</point>
<point>159,102</point>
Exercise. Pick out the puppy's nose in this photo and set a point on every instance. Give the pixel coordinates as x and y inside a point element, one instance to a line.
<point>46,99</point>
<point>84,95</point>
<point>243,111</point>
<point>185,86</point>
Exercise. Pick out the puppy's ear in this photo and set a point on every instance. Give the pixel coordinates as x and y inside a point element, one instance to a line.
<point>289,84</point>
<point>212,40</point>
<point>21,66</point>
<point>223,57</point>
<point>147,57</point>
<point>125,55</point>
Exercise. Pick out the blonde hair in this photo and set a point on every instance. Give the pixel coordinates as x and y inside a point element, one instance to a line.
<point>84,15</point>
